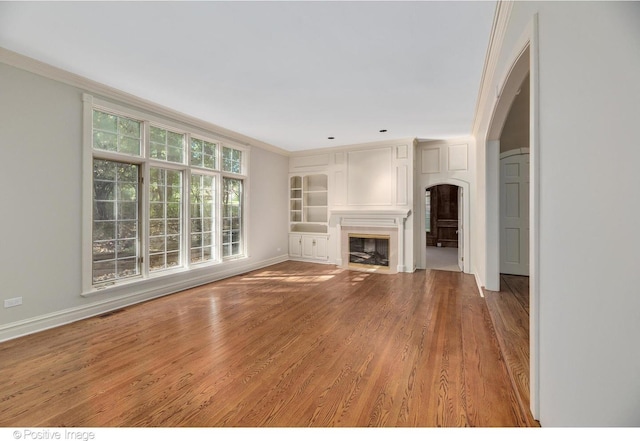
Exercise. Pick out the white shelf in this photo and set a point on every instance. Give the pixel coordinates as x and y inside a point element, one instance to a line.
<point>308,203</point>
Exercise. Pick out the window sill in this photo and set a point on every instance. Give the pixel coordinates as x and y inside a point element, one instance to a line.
<point>167,281</point>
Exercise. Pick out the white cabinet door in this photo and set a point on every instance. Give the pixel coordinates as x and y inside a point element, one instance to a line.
<point>295,245</point>
<point>308,247</point>
<point>321,252</point>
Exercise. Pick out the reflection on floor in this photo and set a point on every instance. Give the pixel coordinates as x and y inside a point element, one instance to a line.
<point>509,310</point>
<point>440,258</point>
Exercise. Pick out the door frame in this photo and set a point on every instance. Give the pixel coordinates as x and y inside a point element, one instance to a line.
<point>525,60</point>
<point>463,239</point>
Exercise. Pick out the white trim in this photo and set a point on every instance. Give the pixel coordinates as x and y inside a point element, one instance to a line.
<point>52,320</point>
<point>370,218</point>
<point>486,93</point>
<point>495,109</point>
<point>492,225</point>
<point>534,240</point>
<point>346,148</point>
<point>87,192</point>
<point>34,66</point>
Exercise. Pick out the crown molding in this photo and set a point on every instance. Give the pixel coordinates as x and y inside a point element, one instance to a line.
<point>496,39</point>
<point>34,66</point>
<point>344,148</point>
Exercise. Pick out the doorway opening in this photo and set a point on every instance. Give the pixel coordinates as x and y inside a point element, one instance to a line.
<point>443,225</point>
<point>512,234</point>
<point>514,186</point>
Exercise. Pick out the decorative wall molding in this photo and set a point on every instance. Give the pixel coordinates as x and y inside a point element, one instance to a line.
<point>368,217</point>
<point>487,93</point>
<point>402,185</point>
<point>370,177</point>
<point>401,152</point>
<point>458,157</point>
<point>306,162</point>
<point>430,160</point>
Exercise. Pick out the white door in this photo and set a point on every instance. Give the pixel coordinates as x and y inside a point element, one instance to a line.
<point>514,215</point>
<point>460,229</point>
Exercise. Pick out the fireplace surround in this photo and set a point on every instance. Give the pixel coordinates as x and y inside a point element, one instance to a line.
<point>370,224</point>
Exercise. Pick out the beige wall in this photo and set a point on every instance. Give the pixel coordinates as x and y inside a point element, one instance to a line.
<point>515,134</point>
<point>41,179</point>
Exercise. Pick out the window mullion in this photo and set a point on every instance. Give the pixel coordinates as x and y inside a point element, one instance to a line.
<point>220,213</point>
<point>186,204</point>
<point>186,219</point>
<point>144,222</point>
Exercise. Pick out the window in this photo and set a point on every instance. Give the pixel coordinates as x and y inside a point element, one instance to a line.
<point>203,190</point>
<point>204,154</point>
<point>165,218</point>
<point>427,211</point>
<point>163,199</point>
<point>115,133</point>
<point>232,160</point>
<point>232,217</point>
<point>115,250</point>
<point>166,145</point>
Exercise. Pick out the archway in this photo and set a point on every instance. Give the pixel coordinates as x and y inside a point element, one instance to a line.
<point>463,215</point>
<point>443,226</point>
<point>525,62</point>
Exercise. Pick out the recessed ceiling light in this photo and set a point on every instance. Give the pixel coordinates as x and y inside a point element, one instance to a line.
<point>383,130</point>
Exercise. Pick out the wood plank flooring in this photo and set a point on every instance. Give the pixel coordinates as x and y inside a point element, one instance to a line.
<point>509,309</point>
<point>292,345</point>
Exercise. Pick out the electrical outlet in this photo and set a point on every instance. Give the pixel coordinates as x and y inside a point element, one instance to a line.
<point>16,301</point>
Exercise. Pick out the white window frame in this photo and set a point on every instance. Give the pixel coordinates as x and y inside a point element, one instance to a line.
<point>145,163</point>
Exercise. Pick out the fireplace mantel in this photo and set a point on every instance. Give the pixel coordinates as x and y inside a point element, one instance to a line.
<point>364,221</point>
<point>369,218</point>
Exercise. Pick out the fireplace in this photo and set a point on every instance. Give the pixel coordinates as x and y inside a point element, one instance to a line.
<point>369,250</point>
<point>380,247</point>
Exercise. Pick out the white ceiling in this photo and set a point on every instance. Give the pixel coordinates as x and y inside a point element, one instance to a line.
<point>289,74</point>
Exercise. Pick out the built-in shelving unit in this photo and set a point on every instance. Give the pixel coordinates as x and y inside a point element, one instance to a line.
<point>295,199</point>
<point>309,203</point>
<point>308,216</point>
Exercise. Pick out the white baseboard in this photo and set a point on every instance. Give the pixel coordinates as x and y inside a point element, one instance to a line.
<point>43,322</point>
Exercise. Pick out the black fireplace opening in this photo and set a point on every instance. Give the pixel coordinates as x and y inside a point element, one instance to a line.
<point>369,250</point>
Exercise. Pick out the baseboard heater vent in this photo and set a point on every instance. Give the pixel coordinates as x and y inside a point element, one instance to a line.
<point>110,313</point>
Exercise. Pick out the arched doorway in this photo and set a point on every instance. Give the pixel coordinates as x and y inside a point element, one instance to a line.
<point>442,227</point>
<point>463,236</point>
<point>524,67</point>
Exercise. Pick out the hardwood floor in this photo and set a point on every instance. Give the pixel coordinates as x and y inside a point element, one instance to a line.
<point>509,309</point>
<point>292,345</point>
